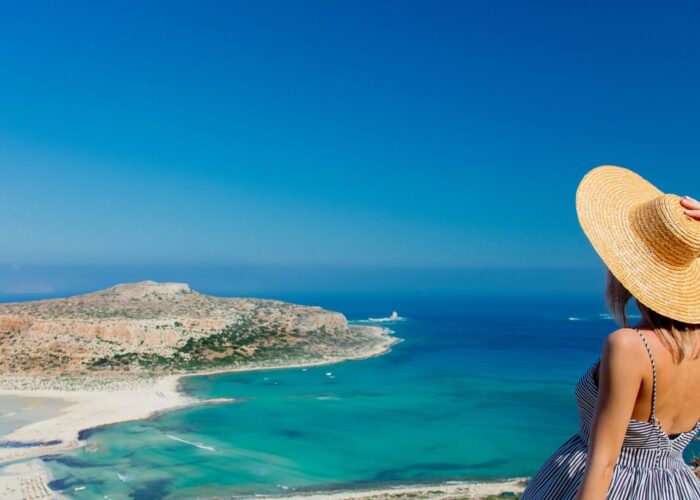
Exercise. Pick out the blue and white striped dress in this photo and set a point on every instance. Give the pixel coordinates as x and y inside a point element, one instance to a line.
<point>650,466</point>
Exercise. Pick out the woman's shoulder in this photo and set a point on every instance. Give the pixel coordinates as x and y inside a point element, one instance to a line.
<point>624,338</point>
<point>624,361</point>
<point>625,345</point>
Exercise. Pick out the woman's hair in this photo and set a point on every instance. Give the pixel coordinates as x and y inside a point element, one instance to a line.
<point>672,333</point>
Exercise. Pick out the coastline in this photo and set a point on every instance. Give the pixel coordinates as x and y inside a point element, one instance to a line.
<point>141,399</point>
<point>30,479</point>
<point>453,490</point>
<point>23,475</point>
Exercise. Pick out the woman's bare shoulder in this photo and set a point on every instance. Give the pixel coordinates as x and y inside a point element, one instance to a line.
<point>624,345</point>
<point>624,338</point>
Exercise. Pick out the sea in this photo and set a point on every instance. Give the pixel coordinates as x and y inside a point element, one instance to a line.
<point>479,388</point>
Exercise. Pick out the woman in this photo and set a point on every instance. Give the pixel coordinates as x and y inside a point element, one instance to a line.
<point>639,403</point>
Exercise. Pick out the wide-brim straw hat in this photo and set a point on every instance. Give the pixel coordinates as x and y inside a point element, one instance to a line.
<point>646,240</point>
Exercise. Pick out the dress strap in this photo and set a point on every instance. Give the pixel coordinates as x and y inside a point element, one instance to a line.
<point>653,418</point>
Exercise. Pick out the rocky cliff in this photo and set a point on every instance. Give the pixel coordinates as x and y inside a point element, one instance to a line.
<point>166,327</point>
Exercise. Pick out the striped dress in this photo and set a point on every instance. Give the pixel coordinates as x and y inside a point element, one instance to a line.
<point>650,466</point>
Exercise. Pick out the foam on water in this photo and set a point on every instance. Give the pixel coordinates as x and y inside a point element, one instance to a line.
<point>197,445</point>
<point>388,319</point>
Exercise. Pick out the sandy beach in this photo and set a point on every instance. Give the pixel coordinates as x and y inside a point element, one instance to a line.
<point>26,481</point>
<point>452,491</point>
<point>89,409</point>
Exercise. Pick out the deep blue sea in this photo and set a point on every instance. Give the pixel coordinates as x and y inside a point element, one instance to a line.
<point>480,388</point>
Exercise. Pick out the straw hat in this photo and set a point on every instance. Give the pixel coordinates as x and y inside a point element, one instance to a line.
<point>644,238</point>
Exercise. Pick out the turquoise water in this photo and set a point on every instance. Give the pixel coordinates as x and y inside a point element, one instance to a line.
<point>478,389</point>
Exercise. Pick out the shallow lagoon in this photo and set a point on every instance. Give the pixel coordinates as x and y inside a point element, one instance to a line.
<point>18,411</point>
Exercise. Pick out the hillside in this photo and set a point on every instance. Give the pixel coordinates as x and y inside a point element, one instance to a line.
<point>150,327</point>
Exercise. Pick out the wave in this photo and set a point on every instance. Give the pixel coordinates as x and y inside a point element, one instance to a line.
<point>394,317</point>
<point>609,316</point>
<point>197,445</point>
<point>603,316</point>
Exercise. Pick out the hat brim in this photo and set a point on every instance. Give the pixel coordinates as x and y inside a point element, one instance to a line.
<point>605,200</point>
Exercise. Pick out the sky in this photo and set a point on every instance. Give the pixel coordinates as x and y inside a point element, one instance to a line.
<point>346,134</point>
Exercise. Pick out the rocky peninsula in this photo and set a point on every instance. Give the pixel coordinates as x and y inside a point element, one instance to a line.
<point>118,354</point>
<point>150,328</point>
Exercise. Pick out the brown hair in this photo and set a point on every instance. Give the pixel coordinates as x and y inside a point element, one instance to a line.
<point>673,334</point>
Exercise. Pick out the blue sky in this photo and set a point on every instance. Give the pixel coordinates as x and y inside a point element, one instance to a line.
<point>334,134</point>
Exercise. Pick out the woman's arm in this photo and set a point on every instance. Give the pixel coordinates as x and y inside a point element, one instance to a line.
<point>619,380</point>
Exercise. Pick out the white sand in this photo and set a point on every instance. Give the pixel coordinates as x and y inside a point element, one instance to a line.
<point>470,490</point>
<point>90,409</point>
<point>26,480</point>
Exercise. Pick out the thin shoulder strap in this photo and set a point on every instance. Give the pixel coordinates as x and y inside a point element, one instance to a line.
<point>653,418</point>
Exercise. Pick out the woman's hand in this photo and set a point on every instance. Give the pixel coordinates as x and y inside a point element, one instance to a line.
<point>691,206</point>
